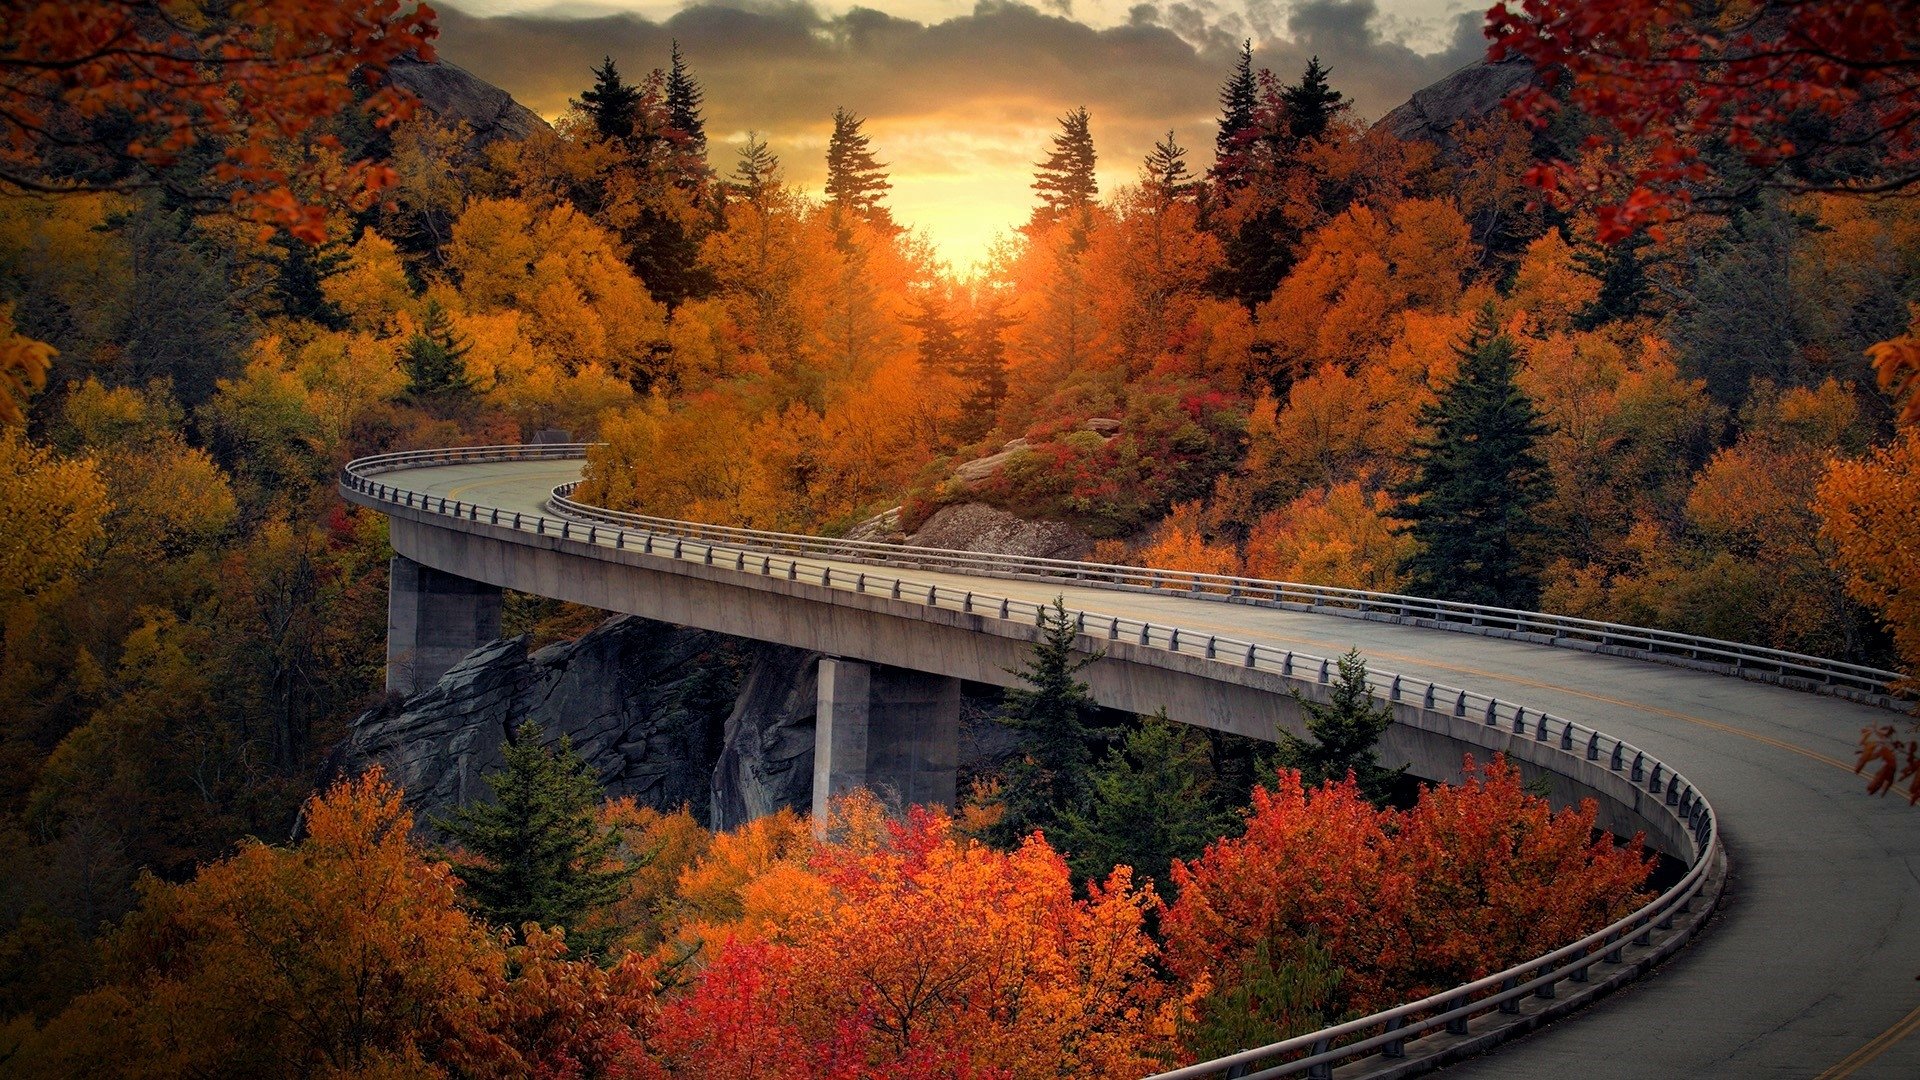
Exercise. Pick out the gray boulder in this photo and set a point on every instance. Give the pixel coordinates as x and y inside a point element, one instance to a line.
<point>979,527</point>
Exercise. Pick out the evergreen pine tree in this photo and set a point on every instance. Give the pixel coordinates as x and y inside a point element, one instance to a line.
<point>1165,173</point>
<point>1238,97</point>
<point>985,367</point>
<point>612,104</point>
<point>855,181</point>
<point>1287,987</point>
<point>757,173</point>
<point>543,858</point>
<point>1624,284</point>
<point>299,275</point>
<point>684,98</point>
<point>1476,481</point>
<point>433,358</point>
<point>1065,180</point>
<point>1342,733</point>
<point>1151,803</point>
<point>1052,769</point>
<point>1312,103</point>
<point>941,350</point>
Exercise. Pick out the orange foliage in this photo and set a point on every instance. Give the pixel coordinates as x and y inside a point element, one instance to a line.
<point>1179,543</point>
<point>1896,363</point>
<point>345,953</point>
<point>933,956</point>
<point>1341,536</point>
<point>1870,511</point>
<point>1355,278</point>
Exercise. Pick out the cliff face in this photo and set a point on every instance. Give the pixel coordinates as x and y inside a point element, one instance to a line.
<point>455,94</point>
<point>766,747</point>
<point>1473,92</point>
<point>644,703</point>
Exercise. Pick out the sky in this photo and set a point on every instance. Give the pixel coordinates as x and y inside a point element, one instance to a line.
<point>960,99</point>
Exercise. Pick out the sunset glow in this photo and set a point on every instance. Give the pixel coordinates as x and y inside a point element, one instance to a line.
<point>959,98</point>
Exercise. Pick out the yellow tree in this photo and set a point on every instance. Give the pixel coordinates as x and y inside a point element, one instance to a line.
<point>1870,511</point>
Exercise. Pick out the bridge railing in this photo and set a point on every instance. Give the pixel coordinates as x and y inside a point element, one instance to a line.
<point>1854,680</point>
<point>1383,1034</point>
<point>1779,665</point>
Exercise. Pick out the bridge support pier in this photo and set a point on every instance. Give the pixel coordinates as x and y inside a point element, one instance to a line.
<point>434,619</point>
<point>894,731</point>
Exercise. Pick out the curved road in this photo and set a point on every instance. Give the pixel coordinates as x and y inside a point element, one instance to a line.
<point>1808,970</point>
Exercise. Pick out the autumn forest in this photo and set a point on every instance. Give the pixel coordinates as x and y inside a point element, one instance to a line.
<point>1574,355</point>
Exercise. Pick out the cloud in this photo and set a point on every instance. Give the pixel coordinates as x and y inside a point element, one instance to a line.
<point>980,90</point>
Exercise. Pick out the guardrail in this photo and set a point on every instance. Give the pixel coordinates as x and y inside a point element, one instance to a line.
<point>1874,685</point>
<point>1384,1034</point>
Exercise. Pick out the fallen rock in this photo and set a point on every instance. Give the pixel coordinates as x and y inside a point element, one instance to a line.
<point>972,472</point>
<point>882,528</point>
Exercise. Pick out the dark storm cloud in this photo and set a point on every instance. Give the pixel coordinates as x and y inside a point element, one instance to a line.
<point>783,68</point>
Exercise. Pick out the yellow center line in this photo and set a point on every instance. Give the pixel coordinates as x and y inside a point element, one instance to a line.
<point>1881,1043</point>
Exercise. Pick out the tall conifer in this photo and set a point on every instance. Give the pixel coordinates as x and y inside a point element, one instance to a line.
<point>543,856</point>
<point>611,103</point>
<point>1239,96</point>
<point>855,181</point>
<point>1054,716</point>
<point>1477,480</point>
<point>1065,180</point>
<point>684,98</point>
<point>1312,103</point>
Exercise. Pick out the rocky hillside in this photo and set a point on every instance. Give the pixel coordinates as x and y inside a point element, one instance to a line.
<point>1468,94</point>
<point>452,93</point>
<point>666,715</point>
<point>645,703</point>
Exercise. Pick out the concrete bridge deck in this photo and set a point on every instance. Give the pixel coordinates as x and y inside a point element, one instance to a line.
<point>1810,968</point>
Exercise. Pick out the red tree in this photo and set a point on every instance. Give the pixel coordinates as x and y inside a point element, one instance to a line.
<point>119,94</point>
<point>1805,95</point>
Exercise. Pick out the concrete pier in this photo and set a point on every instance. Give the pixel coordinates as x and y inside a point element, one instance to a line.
<point>434,619</point>
<point>891,730</point>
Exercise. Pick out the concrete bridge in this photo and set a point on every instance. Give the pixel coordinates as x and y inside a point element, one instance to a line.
<point>1809,885</point>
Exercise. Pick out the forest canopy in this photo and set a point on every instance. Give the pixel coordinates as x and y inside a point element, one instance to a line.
<point>234,255</point>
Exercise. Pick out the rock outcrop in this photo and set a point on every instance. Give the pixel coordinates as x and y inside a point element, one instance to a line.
<point>766,753</point>
<point>452,93</point>
<point>979,527</point>
<point>1473,92</point>
<point>643,702</point>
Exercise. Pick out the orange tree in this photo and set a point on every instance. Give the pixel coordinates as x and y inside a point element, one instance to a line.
<point>929,955</point>
<point>345,955</point>
<point>1870,511</point>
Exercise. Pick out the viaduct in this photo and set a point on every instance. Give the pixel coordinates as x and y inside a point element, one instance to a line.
<point>1733,760</point>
